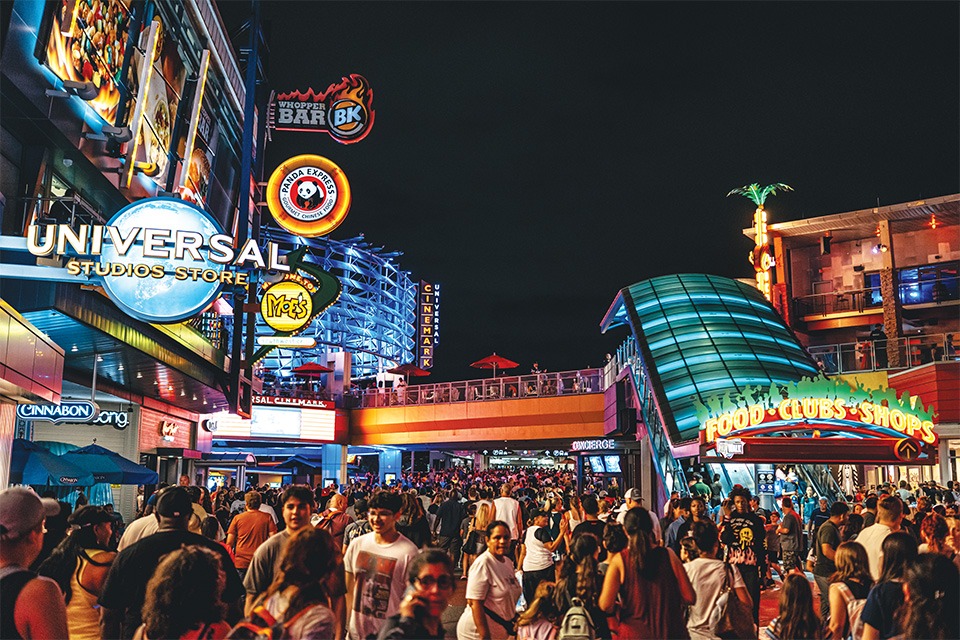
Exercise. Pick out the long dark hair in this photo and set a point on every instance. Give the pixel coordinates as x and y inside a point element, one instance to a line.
<point>308,558</point>
<point>797,619</point>
<point>184,592</point>
<point>899,552</point>
<point>639,527</point>
<point>578,573</point>
<point>931,609</point>
<point>65,558</point>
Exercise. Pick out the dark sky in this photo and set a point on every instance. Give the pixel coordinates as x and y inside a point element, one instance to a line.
<point>535,158</point>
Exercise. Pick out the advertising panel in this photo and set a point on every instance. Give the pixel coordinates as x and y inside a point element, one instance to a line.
<point>86,43</point>
<point>161,100</point>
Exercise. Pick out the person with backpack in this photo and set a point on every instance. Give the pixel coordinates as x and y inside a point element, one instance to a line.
<point>539,620</point>
<point>335,519</point>
<point>578,589</point>
<point>652,582</point>
<point>886,597</point>
<point>713,578</point>
<point>849,587</point>
<point>295,607</point>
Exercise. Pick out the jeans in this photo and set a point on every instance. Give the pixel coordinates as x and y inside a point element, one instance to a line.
<point>532,579</point>
<point>823,583</point>
<point>452,545</point>
<point>751,580</point>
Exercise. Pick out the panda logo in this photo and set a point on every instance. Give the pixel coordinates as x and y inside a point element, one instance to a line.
<point>309,196</point>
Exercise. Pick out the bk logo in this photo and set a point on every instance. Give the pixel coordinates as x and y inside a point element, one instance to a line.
<point>348,119</point>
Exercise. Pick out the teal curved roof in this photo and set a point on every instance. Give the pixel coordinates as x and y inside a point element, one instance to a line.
<point>701,336</point>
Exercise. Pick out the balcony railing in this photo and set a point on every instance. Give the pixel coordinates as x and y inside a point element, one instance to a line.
<point>564,383</point>
<point>940,291</point>
<point>871,355</point>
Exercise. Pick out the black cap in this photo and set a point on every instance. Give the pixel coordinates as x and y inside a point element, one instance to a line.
<point>174,502</point>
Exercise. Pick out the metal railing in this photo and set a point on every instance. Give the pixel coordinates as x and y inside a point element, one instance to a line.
<point>668,468</point>
<point>939,291</point>
<point>871,355</point>
<point>538,385</point>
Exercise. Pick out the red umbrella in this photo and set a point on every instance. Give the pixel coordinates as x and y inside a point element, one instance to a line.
<point>495,362</point>
<point>311,369</point>
<point>408,370</point>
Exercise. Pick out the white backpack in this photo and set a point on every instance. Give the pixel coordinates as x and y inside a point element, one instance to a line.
<point>577,623</point>
<point>854,609</point>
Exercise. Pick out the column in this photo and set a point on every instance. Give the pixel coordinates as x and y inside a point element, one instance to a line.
<point>889,289</point>
<point>389,464</point>
<point>946,464</point>
<point>330,460</point>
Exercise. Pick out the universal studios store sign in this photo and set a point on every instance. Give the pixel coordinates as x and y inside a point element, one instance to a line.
<point>161,260</point>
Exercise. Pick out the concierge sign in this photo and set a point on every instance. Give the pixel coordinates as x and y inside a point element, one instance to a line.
<point>820,420</point>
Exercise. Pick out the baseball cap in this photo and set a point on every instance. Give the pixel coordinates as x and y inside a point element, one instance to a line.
<point>633,494</point>
<point>174,502</point>
<point>89,515</point>
<point>22,510</point>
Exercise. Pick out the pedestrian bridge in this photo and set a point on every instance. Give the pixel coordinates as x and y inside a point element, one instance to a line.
<point>540,407</point>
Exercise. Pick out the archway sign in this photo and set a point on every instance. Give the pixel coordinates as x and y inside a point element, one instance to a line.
<point>822,420</point>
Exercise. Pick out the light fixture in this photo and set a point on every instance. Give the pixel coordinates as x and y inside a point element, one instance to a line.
<point>118,134</point>
<point>149,169</point>
<point>204,401</point>
<point>139,375</point>
<point>155,383</point>
<point>120,367</point>
<point>194,397</point>
<point>933,221</point>
<point>169,387</point>
<point>84,90</point>
<point>74,349</point>
<point>880,248</point>
<point>182,393</point>
<point>99,358</point>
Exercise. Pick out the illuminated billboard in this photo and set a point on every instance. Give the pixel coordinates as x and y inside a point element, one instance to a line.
<point>86,43</point>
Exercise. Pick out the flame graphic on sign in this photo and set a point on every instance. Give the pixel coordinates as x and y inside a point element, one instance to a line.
<point>353,87</point>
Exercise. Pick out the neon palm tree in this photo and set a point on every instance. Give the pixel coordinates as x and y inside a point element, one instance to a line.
<point>760,257</point>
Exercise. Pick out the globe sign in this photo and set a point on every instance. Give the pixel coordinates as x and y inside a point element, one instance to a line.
<point>165,299</point>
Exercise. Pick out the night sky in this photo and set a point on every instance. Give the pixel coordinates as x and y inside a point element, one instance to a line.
<point>535,158</point>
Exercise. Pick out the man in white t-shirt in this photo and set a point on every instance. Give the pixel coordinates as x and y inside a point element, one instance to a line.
<point>508,510</point>
<point>710,575</point>
<point>376,568</point>
<point>889,517</point>
<point>633,498</point>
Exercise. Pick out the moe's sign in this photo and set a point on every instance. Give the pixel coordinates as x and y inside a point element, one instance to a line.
<point>815,415</point>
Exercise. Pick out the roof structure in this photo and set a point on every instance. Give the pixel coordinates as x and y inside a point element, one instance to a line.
<point>701,336</point>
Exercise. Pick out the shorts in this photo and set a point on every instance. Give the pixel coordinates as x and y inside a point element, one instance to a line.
<point>790,559</point>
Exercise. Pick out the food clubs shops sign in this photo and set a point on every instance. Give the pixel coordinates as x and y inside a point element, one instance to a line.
<point>822,420</point>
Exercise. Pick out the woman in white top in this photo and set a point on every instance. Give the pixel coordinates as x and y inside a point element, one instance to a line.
<point>492,588</point>
<point>536,553</point>
<point>710,575</point>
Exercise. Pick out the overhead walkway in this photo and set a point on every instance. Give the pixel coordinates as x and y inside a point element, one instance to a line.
<point>693,337</point>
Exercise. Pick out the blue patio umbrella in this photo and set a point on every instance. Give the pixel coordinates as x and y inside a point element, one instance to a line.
<point>108,466</point>
<point>32,464</point>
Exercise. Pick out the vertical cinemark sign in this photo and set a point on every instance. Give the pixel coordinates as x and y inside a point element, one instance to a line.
<point>426,323</point>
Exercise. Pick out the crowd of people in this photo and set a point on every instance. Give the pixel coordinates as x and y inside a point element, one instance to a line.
<point>538,559</point>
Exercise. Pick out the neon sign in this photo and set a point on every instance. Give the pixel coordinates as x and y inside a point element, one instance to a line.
<point>344,110</point>
<point>821,406</point>
<point>308,195</point>
<point>161,259</point>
